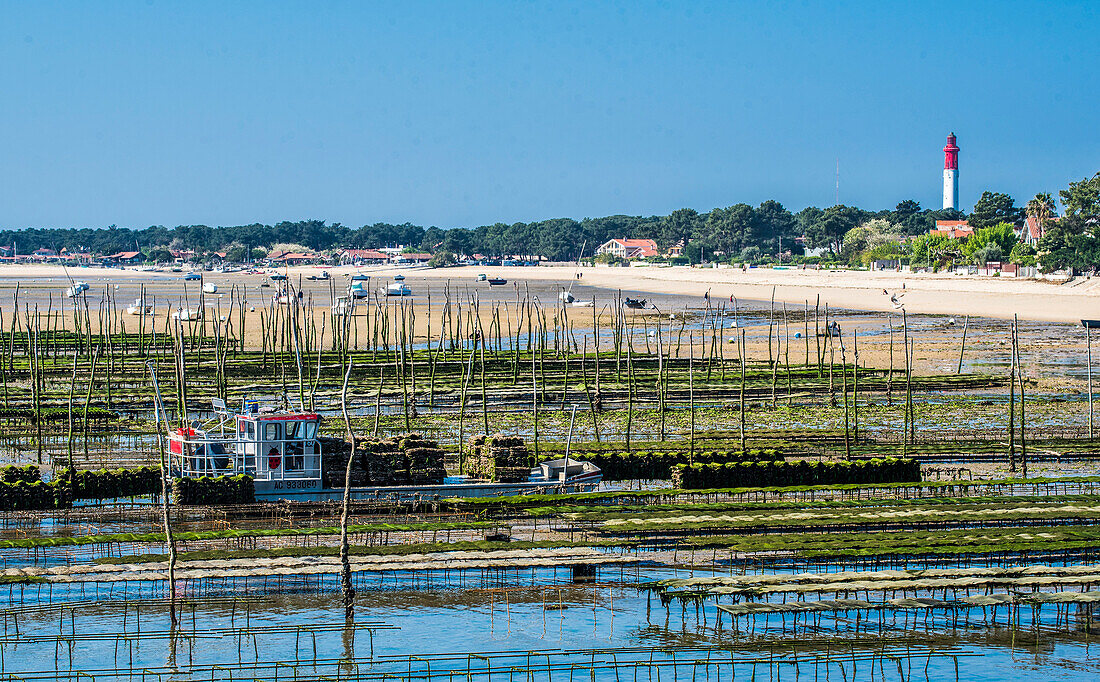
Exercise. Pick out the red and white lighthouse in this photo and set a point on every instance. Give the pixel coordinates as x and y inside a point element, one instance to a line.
<point>951,173</point>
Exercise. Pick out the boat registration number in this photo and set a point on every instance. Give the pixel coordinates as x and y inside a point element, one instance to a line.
<point>295,485</point>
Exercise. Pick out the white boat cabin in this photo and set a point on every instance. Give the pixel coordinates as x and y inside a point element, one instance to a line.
<point>266,446</point>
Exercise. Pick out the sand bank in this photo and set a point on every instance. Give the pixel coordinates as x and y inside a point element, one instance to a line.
<point>930,293</point>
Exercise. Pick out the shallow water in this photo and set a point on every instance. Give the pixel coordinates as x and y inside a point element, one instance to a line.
<point>440,624</point>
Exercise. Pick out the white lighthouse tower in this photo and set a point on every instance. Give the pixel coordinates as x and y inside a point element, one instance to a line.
<point>951,173</point>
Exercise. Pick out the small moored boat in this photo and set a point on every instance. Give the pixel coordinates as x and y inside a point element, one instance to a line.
<point>210,288</point>
<point>397,289</point>
<point>187,314</point>
<point>357,290</point>
<point>634,303</point>
<point>345,305</point>
<point>496,281</point>
<point>139,307</point>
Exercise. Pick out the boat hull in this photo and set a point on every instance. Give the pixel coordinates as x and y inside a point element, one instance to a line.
<point>310,490</point>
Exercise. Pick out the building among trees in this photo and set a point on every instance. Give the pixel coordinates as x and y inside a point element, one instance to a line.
<point>953,229</point>
<point>629,248</point>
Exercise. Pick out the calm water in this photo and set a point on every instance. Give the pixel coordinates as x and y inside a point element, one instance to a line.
<point>609,631</point>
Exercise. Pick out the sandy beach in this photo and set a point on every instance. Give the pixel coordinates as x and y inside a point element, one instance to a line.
<point>927,293</point>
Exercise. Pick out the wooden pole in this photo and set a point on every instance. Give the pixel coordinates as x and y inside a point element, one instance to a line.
<point>534,402</point>
<point>164,473</point>
<point>890,374</point>
<point>691,395</point>
<point>962,346</point>
<point>346,586</point>
<point>1012,400</point>
<point>817,333</point>
<point>1020,374</point>
<point>743,351</point>
<point>844,389</point>
<point>855,386</point>
<point>908,383</point>
<point>1088,344</point>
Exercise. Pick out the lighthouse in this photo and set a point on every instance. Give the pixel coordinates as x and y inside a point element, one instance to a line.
<point>951,173</point>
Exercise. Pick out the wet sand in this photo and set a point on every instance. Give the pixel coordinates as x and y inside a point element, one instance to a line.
<point>927,293</point>
<point>936,306</point>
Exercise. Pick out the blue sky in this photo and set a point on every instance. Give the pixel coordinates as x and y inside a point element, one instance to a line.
<point>460,114</point>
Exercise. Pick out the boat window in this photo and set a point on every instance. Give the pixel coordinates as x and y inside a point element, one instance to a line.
<point>271,431</point>
<point>292,430</point>
<point>310,430</point>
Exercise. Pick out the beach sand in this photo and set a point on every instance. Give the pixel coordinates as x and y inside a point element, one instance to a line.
<point>936,304</point>
<point>927,293</point>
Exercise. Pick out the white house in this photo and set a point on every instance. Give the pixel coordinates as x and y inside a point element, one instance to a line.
<point>629,248</point>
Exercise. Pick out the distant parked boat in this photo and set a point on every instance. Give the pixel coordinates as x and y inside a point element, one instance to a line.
<point>319,276</point>
<point>210,288</point>
<point>139,307</point>
<point>357,290</point>
<point>398,289</point>
<point>634,303</point>
<point>832,330</point>
<point>399,278</point>
<point>1090,324</point>
<point>345,305</point>
<point>77,289</point>
<point>482,277</point>
<point>360,277</point>
<point>496,281</point>
<point>581,304</point>
<point>187,314</point>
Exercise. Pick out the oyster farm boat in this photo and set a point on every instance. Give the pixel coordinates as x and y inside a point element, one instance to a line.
<point>284,455</point>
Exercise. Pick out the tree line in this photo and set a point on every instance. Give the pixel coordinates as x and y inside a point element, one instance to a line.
<point>723,231</point>
<point>739,232</point>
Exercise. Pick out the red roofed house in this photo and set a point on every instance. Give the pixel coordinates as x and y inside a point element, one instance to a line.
<point>629,248</point>
<point>126,257</point>
<point>955,229</point>
<point>292,258</point>
<point>410,258</point>
<point>357,256</point>
<point>1032,230</point>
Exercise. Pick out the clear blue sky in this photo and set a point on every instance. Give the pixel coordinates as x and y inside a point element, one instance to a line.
<point>459,114</point>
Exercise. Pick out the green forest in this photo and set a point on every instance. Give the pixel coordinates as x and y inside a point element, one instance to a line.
<point>741,233</point>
